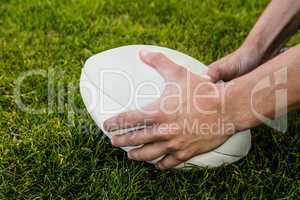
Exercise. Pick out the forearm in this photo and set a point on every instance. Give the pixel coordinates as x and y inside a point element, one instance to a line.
<point>280,20</point>
<point>263,90</point>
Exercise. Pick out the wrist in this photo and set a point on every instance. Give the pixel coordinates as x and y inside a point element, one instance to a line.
<point>253,44</point>
<point>251,50</point>
<point>237,103</point>
<point>260,47</point>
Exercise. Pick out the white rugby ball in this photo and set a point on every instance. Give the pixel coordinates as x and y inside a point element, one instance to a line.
<point>111,80</point>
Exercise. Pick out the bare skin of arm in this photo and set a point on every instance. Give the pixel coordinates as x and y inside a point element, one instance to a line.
<point>280,73</point>
<point>277,24</point>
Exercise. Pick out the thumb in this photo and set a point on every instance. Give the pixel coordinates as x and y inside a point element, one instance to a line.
<point>160,62</point>
<point>225,69</point>
<point>215,72</point>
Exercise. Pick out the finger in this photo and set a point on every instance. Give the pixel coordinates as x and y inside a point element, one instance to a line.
<point>161,63</point>
<point>215,72</point>
<point>223,70</point>
<point>174,159</point>
<point>144,136</point>
<point>149,152</point>
<point>145,116</point>
<point>180,156</point>
<point>167,162</point>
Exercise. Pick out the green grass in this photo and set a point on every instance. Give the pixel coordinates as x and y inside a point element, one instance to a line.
<point>61,154</point>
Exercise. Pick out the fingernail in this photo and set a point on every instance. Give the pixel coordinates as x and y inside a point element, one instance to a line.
<point>112,141</point>
<point>157,166</point>
<point>144,53</point>
<point>206,77</point>
<point>110,125</point>
<point>129,155</point>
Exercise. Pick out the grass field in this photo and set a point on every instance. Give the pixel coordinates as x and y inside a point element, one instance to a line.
<point>61,154</point>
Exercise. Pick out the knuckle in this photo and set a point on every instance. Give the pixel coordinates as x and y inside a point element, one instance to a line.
<point>160,116</point>
<point>170,147</point>
<point>146,158</point>
<point>173,145</point>
<point>180,71</point>
<point>163,136</point>
<point>121,117</point>
<point>182,155</point>
<point>131,139</point>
